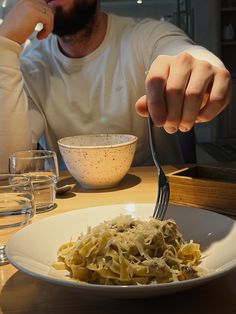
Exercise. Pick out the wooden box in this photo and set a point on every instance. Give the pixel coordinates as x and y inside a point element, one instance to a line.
<point>207,187</point>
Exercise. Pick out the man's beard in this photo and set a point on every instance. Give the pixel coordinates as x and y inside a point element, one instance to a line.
<point>78,18</point>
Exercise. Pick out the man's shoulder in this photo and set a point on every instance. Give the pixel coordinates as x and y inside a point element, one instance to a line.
<point>125,19</point>
<point>139,25</point>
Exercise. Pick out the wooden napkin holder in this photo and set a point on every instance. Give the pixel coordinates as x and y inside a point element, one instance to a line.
<point>209,187</point>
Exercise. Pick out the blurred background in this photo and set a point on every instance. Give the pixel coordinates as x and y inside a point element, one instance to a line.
<point>211,23</point>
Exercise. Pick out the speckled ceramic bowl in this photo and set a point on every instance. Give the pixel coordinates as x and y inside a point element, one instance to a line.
<point>98,161</point>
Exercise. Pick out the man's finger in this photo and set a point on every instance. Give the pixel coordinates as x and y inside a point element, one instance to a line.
<point>141,106</point>
<point>219,97</point>
<point>47,18</point>
<point>198,85</point>
<point>180,71</point>
<point>155,90</point>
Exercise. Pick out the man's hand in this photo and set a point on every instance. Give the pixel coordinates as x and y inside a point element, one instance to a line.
<point>182,90</point>
<point>22,19</point>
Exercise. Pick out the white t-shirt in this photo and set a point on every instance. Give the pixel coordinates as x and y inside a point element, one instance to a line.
<point>96,93</point>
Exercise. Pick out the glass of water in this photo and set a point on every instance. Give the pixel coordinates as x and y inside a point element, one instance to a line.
<point>16,207</point>
<point>42,167</point>
<point>44,192</point>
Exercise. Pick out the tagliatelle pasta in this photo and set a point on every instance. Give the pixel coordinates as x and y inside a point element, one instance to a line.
<point>128,251</point>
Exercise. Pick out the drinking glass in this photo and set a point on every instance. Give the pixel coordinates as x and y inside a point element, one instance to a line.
<point>42,167</point>
<point>16,207</point>
<point>44,192</point>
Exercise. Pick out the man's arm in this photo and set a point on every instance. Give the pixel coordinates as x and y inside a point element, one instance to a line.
<point>15,131</point>
<point>185,84</point>
<point>14,124</point>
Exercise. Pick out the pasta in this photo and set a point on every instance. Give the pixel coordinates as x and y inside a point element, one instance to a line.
<point>128,251</point>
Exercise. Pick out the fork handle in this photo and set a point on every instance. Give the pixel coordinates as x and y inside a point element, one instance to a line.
<point>152,145</point>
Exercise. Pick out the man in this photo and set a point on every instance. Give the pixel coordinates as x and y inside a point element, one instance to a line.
<point>95,71</point>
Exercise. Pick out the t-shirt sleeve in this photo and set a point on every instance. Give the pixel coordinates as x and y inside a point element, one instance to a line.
<point>14,123</point>
<point>157,38</point>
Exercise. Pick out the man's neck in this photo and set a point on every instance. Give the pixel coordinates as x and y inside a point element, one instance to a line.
<point>85,42</point>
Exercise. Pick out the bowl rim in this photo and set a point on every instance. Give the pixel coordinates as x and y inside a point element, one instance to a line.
<point>132,141</point>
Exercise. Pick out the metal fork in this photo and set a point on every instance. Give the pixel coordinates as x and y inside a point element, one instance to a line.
<point>163,184</point>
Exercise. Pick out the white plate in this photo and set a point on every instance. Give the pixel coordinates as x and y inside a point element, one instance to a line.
<point>34,248</point>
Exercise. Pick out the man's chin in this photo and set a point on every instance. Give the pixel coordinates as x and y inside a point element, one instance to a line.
<point>78,18</point>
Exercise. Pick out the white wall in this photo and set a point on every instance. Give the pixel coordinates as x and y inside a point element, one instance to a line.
<point>154,9</point>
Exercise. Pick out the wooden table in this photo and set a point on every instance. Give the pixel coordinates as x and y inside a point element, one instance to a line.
<point>20,293</point>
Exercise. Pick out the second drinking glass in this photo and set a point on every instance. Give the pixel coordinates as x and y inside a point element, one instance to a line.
<point>42,167</point>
